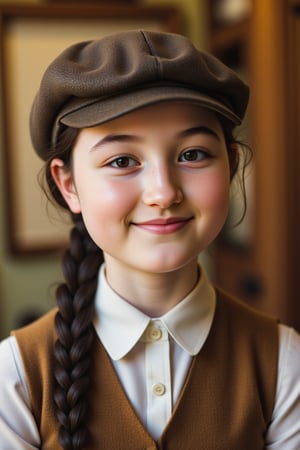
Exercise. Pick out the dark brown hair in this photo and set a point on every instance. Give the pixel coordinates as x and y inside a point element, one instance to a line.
<point>75,301</point>
<point>73,321</point>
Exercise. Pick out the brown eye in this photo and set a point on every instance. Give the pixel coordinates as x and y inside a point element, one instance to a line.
<point>123,162</point>
<point>193,155</point>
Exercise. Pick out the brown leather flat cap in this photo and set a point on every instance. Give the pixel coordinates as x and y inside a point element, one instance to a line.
<point>93,82</point>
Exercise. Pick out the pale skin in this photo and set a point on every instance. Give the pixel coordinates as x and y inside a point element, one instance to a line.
<point>153,189</point>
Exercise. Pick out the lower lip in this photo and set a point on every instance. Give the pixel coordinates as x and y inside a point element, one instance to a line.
<point>163,229</point>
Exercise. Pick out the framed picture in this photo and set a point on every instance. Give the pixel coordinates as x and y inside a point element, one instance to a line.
<point>31,37</point>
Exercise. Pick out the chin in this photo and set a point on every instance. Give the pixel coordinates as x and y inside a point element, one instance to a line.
<point>168,264</point>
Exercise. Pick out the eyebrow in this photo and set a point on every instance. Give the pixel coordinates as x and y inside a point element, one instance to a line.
<point>114,137</point>
<point>201,129</point>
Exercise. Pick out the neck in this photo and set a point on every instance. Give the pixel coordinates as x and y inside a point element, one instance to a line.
<point>152,293</point>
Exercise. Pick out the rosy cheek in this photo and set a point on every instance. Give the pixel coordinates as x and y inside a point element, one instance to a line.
<point>112,200</point>
<point>211,190</point>
<point>219,192</point>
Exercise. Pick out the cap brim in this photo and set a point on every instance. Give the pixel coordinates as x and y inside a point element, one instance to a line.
<point>80,114</point>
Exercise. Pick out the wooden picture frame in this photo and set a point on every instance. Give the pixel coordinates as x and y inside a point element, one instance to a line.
<point>31,36</point>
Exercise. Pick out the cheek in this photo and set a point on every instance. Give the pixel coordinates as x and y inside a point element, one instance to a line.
<point>104,204</point>
<point>118,197</point>
<point>211,192</point>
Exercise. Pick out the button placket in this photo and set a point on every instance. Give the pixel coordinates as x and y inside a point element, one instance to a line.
<point>158,377</point>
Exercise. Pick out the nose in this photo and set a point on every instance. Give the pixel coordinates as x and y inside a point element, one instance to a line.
<point>162,188</point>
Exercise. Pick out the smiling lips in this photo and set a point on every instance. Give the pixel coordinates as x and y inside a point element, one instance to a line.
<point>164,226</point>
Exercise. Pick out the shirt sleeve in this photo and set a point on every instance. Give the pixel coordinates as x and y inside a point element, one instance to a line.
<point>284,430</point>
<point>18,429</point>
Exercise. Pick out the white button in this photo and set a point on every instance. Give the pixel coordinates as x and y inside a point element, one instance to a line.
<point>158,389</point>
<point>155,334</point>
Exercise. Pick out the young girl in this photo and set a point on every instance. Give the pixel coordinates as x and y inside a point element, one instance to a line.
<point>142,351</point>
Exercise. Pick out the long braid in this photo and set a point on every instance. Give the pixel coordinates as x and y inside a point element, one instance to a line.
<point>72,351</point>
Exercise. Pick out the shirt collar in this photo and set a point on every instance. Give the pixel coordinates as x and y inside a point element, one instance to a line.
<point>120,325</point>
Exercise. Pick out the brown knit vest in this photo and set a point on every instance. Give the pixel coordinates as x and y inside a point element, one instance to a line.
<point>226,402</point>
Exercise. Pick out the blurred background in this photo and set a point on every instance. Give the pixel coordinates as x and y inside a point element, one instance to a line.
<point>256,260</point>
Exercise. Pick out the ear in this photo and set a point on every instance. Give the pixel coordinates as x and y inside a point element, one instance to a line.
<point>64,181</point>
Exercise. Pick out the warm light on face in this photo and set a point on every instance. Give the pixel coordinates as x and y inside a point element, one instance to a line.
<point>152,186</point>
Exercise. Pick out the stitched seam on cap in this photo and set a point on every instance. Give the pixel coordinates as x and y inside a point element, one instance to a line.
<point>153,53</point>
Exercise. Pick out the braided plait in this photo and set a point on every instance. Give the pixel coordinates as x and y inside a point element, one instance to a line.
<point>73,321</point>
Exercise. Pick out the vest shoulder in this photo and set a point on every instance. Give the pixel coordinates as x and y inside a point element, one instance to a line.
<point>243,312</point>
<point>42,329</point>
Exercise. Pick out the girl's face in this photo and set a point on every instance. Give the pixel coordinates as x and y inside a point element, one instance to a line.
<point>152,186</point>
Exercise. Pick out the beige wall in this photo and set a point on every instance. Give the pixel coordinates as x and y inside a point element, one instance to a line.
<point>28,282</point>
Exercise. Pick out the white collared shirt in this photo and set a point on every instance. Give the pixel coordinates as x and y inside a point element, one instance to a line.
<point>144,351</point>
<point>151,357</point>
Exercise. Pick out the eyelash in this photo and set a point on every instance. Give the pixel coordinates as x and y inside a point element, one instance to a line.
<point>117,162</point>
<point>130,162</point>
<point>194,151</point>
